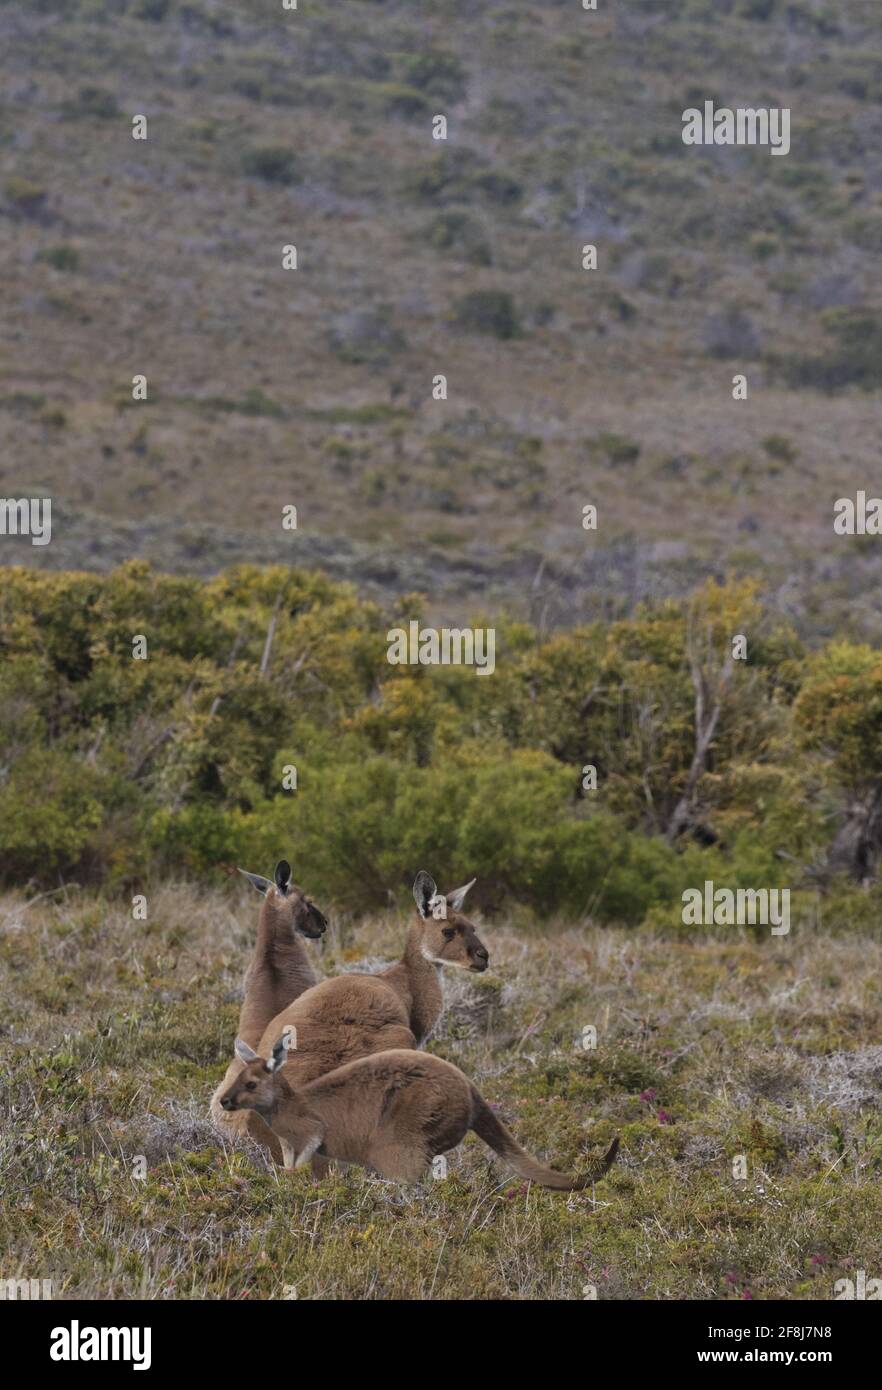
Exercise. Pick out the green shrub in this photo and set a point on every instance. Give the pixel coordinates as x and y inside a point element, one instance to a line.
<point>438,73</point>
<point>153,10</point>
<point>488,311</point>
<point>854,358</point>
<point>865,232</point>
<point>26,198</point>
<point>731,333</point>
<point>616,449</point>
<point>94,103</point>
<point>460,234</point>
<point>50,805</point>
<point>254,401</point>
<point>459,174</point>
<point>499,188</point>
<point>397,99</point>
<point>272,163</point>
<point>197,837</point>
<point>60,257</point>
<point>780,448</point>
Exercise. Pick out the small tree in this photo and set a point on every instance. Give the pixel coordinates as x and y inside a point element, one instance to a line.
<point>839,712</point>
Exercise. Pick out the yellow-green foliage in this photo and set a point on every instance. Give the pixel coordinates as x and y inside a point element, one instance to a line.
<point>840,709</point>
<point>114,766</point>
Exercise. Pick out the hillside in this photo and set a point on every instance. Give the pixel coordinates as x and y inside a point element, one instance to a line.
<point>416,257</point>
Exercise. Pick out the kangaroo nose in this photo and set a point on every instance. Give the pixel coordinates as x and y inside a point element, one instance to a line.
<point>226,1103</point>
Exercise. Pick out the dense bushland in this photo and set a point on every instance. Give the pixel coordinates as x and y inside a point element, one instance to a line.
<point>759,772</point>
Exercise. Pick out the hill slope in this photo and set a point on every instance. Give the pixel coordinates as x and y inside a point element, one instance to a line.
<point>313,387</point>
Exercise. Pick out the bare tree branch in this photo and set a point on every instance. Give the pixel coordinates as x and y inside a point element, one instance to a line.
<point>710,689</point>
<point>270,634</point>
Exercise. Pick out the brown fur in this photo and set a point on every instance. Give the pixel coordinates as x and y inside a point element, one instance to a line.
<point>355,1015</point>
<point>393,1111</point>
<point>279,971</point>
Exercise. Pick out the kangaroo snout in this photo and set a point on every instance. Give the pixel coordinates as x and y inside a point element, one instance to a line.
<point>315,924</point>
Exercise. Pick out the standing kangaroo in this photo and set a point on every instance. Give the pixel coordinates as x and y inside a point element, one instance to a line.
<point>394,1111</point>
<point>354,1015</point>
<point>279,970</point>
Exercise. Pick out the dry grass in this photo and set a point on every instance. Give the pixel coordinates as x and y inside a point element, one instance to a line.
<point>115,1033</point>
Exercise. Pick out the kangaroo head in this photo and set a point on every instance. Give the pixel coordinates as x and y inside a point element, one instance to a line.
<point>292,910</point>
<point>260,1085</point>
<point>448,937</point>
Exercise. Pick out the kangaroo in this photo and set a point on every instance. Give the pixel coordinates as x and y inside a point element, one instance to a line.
<point>279,970</point>
<point>393,1111</point>
<point>354,1015</point>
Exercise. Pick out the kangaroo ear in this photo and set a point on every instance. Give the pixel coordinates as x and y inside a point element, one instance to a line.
<point>280,1051</point>
<point>424,890</point>
<point>257,881</point>
<point>283,875</point>
<point>457,897</point>
<point>244,1052</point>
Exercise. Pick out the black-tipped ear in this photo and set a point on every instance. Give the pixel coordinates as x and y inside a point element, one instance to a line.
<point>283,875</point>
<point>424,891</point>
<point>257,881</point>
<point>279,1055</point>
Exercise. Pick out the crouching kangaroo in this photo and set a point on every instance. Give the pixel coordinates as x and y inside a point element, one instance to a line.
<point>278,972</point>
<point>393,1111</point>
<point>354,1015</point>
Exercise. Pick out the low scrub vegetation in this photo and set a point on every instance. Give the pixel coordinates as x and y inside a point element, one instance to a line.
<point>599,771</point>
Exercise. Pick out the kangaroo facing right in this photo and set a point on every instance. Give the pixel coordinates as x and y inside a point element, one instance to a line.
<point>394,1111</point>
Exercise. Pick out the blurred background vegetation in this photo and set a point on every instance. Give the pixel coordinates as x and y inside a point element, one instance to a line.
<point>416,257</point>
<point>313,388</point>
<point>760,772</point>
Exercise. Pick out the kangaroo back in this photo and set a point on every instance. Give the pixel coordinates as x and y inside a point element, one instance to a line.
<point>494,1133</point>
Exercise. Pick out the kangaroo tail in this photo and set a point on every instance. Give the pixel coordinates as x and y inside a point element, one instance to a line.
<point>494,1133</point>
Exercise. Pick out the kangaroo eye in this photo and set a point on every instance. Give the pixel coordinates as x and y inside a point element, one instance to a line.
<point>250,1085</point>
<point>450,933</point>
